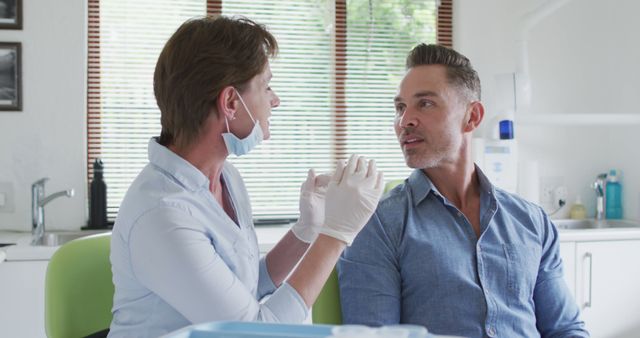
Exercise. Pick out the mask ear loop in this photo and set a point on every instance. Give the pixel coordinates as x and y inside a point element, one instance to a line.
<point>245,106</point>
<point>227,123</point>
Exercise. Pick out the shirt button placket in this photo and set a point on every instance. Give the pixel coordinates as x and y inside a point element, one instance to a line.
<point>491,332</point>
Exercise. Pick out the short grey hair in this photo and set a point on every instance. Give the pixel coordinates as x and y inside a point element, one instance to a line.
<point>460,73</point>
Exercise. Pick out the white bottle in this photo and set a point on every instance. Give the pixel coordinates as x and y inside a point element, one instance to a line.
<point>501,159</point>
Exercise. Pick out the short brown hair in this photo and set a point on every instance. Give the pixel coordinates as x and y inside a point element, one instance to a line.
<point>460,73</point>
<point>202,57</point>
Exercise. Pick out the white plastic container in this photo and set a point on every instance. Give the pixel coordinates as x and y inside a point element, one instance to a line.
<point>501,163</point>
<point>352,331</point>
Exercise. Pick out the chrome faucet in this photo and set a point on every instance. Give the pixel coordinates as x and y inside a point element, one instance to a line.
<point>599,186</point>
<point>38,201</point>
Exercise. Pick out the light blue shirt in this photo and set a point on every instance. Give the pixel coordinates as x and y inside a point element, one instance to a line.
<point>419,261</point>
<point>178,259</point>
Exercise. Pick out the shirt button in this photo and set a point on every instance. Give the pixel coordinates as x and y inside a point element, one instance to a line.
<point>459,214</point>
<point>491,332</point>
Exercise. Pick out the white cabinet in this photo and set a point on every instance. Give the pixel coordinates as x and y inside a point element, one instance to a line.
<point>568,254</point>
<point>608,287</point>
<point>22,298</point>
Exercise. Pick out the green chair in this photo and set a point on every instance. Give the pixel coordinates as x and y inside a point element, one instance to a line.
<point>78,288</point>
<point>326,309</point>
<point>392,184</point>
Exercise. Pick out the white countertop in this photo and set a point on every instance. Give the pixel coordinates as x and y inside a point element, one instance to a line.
<point>23,250</point>
<point>268,236</point>
<point>609,234</point>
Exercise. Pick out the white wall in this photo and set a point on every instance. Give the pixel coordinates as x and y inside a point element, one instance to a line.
<point>48,137</point>
<point>582,59</point>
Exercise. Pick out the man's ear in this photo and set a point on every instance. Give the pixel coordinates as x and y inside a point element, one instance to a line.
<point>474,116</point>
<point>227,103</point>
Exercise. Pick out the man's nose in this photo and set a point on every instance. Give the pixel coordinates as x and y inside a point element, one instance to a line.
<point>407,119</point>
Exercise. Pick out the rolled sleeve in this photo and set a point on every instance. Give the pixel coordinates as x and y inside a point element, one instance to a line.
<point>284,306</point>
<point>265,283</point>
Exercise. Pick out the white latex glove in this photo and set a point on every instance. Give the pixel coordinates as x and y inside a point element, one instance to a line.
<point>312,193</point>
<point>352,197</point>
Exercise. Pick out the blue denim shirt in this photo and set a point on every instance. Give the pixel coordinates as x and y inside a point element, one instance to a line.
<point>418,261</point>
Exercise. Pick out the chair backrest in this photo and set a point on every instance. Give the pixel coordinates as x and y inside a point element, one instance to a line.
<point>392,184</point>
<point>326,309</point>
<point>79,289</point>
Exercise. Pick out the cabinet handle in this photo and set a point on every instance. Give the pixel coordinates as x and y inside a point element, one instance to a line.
<point>588,256</point>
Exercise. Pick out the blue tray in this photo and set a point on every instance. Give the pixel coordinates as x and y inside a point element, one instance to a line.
<point>251,330</point>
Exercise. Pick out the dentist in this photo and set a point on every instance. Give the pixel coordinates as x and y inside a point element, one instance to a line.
<point>183,248</point>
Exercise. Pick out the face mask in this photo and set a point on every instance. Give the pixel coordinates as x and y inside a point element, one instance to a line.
<point>239,146</point>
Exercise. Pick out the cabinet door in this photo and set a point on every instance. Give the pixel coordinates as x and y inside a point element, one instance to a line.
<point>568,254</point>
<point>22,298</point>
<point>608,287</point>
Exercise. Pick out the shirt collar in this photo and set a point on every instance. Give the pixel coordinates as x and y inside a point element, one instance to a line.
<point>420,185</point>
<point>485,184</point>
<point>177,167</point>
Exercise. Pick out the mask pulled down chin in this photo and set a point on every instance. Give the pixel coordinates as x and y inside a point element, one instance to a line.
<point>238,146</point>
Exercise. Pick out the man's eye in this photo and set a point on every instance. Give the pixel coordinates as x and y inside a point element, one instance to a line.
<point>425,104</point>
<point>399,109</point>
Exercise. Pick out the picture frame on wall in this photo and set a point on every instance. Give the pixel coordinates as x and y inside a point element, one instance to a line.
<point>10,14</point>
<point>10,76</point>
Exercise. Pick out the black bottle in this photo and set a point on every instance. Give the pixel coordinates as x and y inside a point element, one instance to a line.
<point>98,199</point>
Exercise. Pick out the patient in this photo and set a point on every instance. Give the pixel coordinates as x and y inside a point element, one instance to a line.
<point>446,249</point>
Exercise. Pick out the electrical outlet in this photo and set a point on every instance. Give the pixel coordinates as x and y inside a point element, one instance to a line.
<point>560,194</point>
<point>546,195</point>
<point>551,190</point>
<point>7,197</point>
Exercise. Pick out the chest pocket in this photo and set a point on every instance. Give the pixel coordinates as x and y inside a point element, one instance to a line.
<point>522,269</point>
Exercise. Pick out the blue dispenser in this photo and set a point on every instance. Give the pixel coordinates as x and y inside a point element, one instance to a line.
<point>613,200</point>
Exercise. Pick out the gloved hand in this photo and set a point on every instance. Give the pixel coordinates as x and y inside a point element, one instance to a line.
<point>312,193</point>
<point>352,197</point>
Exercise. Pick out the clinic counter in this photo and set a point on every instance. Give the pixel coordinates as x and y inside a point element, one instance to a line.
<point>268,236</point>
<point>22,250</point>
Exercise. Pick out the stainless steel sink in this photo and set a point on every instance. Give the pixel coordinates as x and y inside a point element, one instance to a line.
<point>59,238</point>
<point>573,224</point>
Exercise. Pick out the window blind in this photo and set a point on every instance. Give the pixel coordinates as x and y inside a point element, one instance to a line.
<point>125,39</point>
<point>379,35</point>
<point>336,74</point>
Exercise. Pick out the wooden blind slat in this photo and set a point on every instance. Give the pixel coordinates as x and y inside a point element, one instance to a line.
<point>93,82</point>
<point>444,23</point>
<point>340,107</point>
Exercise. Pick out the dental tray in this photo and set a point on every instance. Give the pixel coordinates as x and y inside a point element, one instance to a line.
<point>251,330</point>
